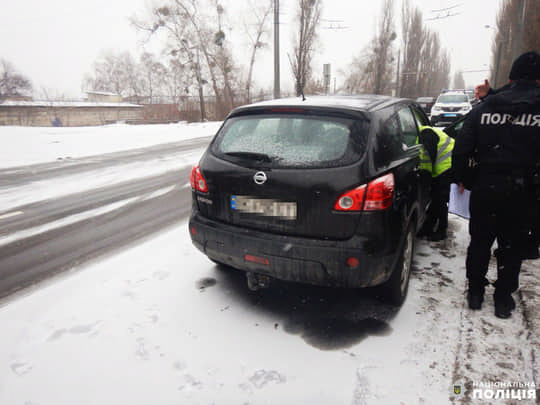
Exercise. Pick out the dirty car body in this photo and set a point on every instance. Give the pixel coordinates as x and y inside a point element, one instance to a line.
<point>325,191</point>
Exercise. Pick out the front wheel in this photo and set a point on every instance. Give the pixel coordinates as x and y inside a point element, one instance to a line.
<point>395,289</point>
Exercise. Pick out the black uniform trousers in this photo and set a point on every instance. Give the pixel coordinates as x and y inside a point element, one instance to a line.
<point>504,211</point>
<point>437,214</point>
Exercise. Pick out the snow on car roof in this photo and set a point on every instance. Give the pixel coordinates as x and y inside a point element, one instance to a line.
<point>363,102</point>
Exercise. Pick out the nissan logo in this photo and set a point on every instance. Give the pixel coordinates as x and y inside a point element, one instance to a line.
<point>260,178</point>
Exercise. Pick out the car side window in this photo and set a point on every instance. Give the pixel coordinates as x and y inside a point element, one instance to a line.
<point>408,126</point>
<point>390,145</point>
<point>421,118</point>
<point>393,136</point>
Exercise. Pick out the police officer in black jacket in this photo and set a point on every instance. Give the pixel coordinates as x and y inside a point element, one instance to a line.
<point>503,135</point>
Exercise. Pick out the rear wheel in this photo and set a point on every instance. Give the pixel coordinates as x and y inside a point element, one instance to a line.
<point>395,289</point>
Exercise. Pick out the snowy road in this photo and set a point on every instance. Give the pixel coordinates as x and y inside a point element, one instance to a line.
<point>43,238</point>
<point>157,323</point>
<point>89,225</point>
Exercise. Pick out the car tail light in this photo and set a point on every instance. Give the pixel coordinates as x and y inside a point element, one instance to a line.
<point>380,193</point>
<point>352,200</point>
<point>197,180</point>
<point>376,195</point>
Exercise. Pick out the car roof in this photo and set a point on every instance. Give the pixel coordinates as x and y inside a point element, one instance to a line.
<point>453,92</point>
<point>360,103</point>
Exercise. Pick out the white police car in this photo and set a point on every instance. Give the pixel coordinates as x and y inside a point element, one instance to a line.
<point>450,106</point>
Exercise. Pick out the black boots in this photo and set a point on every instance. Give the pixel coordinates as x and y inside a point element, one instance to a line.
<point>504,304</point>
<point>475,299</point>
<point>475,295</point>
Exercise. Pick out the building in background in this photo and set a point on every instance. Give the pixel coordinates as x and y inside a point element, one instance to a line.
<point>99,109</point>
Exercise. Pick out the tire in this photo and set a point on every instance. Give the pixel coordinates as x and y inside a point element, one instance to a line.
<point>395,289</point>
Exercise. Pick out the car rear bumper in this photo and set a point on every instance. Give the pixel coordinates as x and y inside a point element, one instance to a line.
<point>312,261</point>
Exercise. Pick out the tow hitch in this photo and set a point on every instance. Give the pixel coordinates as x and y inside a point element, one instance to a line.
<point>256,281</point>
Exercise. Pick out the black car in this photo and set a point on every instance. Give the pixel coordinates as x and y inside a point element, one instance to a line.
<point>325,191</point>
<point>426,103</point>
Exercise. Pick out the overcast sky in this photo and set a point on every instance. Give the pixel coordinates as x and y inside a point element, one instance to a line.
<point>55,43</point>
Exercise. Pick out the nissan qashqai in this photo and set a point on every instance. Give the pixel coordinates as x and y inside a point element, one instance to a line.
<point>325,191</point>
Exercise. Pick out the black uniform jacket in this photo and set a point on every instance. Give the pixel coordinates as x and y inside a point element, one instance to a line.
<point>502,134</point>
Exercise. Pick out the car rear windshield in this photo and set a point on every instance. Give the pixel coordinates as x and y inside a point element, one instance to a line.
<point>292,140</point>
<point>453,98</point>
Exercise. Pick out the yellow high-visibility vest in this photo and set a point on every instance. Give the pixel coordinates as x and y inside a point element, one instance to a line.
<point>443,161</point>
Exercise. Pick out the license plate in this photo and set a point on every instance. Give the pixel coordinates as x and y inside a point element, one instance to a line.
<point>264,207</point>
<point>450,115</point>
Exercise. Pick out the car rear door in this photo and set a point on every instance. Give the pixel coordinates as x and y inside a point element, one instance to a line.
<point>283,171</point>
<point>410,119</point>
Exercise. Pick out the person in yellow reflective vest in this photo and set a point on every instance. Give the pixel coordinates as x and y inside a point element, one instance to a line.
<point>436,158</point>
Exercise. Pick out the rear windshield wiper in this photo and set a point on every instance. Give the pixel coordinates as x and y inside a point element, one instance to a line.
<point>260,157</point>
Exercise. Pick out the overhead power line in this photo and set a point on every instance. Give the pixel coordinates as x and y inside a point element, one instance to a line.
<point>446,12</point>
<point>440,17</point>
<point>334,25</point>
<point>445,9</point>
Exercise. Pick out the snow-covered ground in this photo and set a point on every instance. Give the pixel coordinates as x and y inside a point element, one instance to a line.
<point>30,145</point>
<point>160,324</point>
<point>27,146</point>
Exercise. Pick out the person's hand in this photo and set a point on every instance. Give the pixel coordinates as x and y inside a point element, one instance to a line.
<point>482,90</point>
<point>461,188</point>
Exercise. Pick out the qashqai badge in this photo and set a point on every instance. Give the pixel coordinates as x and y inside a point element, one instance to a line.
<point>260,178</point>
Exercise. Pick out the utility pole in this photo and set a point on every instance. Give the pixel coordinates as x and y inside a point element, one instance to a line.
<point>277,92</point>
<point>326,77</point>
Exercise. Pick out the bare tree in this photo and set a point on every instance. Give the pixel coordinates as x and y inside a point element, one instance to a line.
<point>412,37</point>
<point>517,31</point>
<point>316,85</point>
<point>223,60</point>
<point>501,49</point>
<point>372,70</point>
<point>197,40</point>
<point>176,81</point>
<point>116,72</point>
<point>426,66</point>
<point>355,78</point>
<point>12,82</point>
<point>459,81</point>
<point>152,75</point>
<point>309,15</point>
<point>173,18</point>
<point>531,37</point>
<point>383,52</point>
<point>434,67</point>
<point>259,20</point>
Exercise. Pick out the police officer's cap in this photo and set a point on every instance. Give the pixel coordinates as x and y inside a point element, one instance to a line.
<point>526,66</point>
